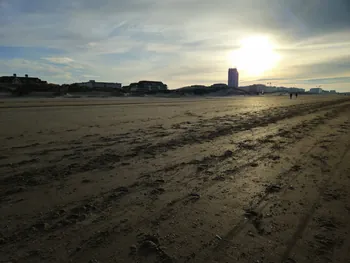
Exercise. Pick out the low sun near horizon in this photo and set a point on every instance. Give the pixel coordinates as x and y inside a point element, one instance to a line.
<point>255,56</point>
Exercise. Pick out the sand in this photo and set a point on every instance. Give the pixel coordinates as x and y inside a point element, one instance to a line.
<point>239,179</point>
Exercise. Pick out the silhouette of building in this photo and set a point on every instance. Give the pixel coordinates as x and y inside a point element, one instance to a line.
<point>316,90</point>
<point>233,78</point>
<point>298,90</point>
<point>21,80</point>
<point>256,88</point>
<point>219,85</point>
<point>145,86</point>
<point>95,85</point>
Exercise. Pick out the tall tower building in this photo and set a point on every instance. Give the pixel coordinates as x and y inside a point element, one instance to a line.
<point>233,78</point>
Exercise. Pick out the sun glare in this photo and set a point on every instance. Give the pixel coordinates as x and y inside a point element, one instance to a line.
<point>255,56</point>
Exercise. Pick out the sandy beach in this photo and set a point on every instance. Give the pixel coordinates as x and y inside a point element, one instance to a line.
<point>238,179</point>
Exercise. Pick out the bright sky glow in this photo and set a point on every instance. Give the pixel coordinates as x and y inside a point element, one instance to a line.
<point>255,56</point>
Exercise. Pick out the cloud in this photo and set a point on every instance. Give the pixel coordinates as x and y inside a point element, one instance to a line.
<point>314,81</point>
<point>328,80</point>
<point>90,76</point>
<point>335,67</point>
<point>187,19</point>
<point>59,60</point>
<point>27,52</point>
<point>333,71</point>
<point>22,65</point>
<point>44,69</point>
<point>270,79</point>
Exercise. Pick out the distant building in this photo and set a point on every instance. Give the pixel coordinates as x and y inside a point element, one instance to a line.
<point>333,91</point>
<point>25,85</point>
<point>282,89</point>
<point>296,90</point>
<point>14,79</point>
<point>197,86</point>
<point>260,88</point>
<point>316,90</point>
<point>96,85</point>
<point>145,86</point>
<point>268,89</point>
<point>219,85</point>
<point>191,88</point>
<point>233,77</point>
<point>257,88</point>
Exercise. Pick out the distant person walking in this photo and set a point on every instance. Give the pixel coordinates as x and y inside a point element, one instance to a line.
<point>296,95</point>
<point>290,95</point>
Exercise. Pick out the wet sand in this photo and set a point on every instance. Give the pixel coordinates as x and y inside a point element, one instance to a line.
<point>240,179</point>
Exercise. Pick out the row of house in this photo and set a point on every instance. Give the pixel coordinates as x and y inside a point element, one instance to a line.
<point>146,86</point>
<point>141,86</point>
<point>25,85</point>
<point>14,79</point>
<point>321,91</point>
<point>92,84</point>
<point>32,83</point>
<point>260,88</point>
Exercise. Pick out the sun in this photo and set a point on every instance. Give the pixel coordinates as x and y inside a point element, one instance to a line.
<point>255,56</point>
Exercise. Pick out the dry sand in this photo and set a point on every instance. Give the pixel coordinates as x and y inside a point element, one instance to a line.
<point>245,179</point>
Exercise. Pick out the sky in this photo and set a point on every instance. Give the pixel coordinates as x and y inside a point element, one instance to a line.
<point>179,42</point>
